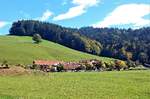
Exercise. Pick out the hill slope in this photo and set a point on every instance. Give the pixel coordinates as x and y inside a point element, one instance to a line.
<point>123,44</point>
<point>21,50</point>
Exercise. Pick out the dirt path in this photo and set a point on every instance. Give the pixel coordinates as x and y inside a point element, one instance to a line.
<point>14,71</point>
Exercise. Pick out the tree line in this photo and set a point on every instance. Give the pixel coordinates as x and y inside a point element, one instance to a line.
<point>125,44</point>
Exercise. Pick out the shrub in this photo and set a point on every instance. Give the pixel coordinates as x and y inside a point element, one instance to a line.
<point>110,66</point>
<point>120,65</point>
<point>60,67</point>
<point>131,64</point>
<point>37,38</point>
<point>5,63</point>
<point>89,66</point>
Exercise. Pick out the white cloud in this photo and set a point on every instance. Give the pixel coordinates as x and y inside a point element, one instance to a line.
<point>46,15</point>
<point>127,14</point>
<point>3,24</point>
<point>79,9</point>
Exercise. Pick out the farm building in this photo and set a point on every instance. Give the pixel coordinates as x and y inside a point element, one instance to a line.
<point>54,65</point>
<point>71,66</point>
<point>58,66</point>
<point>46,65</point>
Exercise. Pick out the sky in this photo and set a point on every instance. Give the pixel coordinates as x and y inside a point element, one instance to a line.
<point>77,13</point>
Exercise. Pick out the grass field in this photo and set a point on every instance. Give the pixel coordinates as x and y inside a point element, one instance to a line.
<point>88,85</point>
<point>21,50</point>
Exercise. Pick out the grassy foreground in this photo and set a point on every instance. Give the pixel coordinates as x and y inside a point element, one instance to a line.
<point>21,50</point>
<point>88,85</point>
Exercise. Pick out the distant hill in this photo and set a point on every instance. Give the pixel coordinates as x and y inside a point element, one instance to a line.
<point>124,44</point>
<point>21,50</point>
<point>133,44</point>
<point>55,33</point>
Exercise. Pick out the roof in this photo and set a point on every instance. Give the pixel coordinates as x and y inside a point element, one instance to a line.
<point>46,62</point>
<point>66,65</point>
<point>71,65</point>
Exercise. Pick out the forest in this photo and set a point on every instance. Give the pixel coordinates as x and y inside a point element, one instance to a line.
<point>126,44</point>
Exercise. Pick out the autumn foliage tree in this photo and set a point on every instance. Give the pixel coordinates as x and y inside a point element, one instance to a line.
<point>120,65</point>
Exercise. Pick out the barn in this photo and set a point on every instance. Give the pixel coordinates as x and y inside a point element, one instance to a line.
<point>46,65</point>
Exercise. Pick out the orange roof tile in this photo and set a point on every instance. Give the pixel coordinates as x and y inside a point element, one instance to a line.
<point>45,62</point>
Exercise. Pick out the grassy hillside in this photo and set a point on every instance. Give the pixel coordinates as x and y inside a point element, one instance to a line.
<point>88,85</point>
<point>22,50</point>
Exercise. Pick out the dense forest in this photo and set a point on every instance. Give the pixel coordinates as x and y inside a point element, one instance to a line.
<point>122,43</point>
<point>125,44</point>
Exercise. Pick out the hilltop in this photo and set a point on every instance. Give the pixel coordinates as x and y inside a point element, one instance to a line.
<point>22,50</point>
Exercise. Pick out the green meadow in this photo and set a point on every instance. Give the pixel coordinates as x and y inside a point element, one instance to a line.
<point>88,85</point>
<point>22,50</point>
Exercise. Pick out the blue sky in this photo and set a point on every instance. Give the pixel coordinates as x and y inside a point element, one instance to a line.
<point>77,13</point>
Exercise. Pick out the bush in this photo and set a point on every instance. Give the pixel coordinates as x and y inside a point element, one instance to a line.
<point>89,66</point>
<point>131,64</point>
<point>120,65</point>
<point>60,68</point>
<point>37,38</point>
<point>5,63</point>
<point>110,66</point>
<point>34,66</point>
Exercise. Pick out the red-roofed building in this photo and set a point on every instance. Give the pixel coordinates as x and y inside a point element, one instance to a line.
<point>71,66</point>
<point>46,65</point>
<point>45,62</point>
